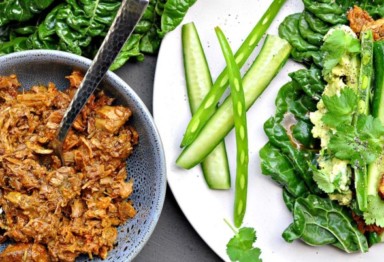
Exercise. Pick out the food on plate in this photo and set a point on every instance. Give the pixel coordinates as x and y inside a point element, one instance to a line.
<point>208,105</point>
<point>210,123</point>
<point>51,211</point>
<point>241,246</point>
<point>198,82</point>
<point>326,139</point>
<point>240,123</point>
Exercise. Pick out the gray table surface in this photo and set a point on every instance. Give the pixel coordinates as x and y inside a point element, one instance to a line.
<point>174,239</point>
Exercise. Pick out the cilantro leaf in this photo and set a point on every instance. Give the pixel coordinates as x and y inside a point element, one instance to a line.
<point>340,108</point>
<point>335,46</point>
<point>240,247</point>
<point>360,144</point>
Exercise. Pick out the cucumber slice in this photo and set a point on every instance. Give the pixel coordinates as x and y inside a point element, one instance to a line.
<point>199,81</point>
<point>271,58</point>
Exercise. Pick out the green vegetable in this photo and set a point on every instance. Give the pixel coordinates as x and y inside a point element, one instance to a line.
<point>375,206</point>
<point>378,97</point>
<point>289,200</point>
<point>289,30</point>
<point>364,90</point>
<point>319,221</point>
<point>307,33</point>
<point>308,57</point>
<point>21,10</point>
<point>310,80</point>
<point>241,246</point>
<point>215,166</point>
<point>208,106</point>
<point>340,108</point>
<point>336,45</point>
<point>300,159</point>
<point>79,26</point>
<point>173,14</point>
<point>316,24</point>
<point>240,120</point>
<point>327,10</point>
<point>271,58</point>
<point>360,144</point>
<point>275,164</point>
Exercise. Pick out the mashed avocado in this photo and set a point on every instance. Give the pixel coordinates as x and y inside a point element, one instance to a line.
<point>334,175</point>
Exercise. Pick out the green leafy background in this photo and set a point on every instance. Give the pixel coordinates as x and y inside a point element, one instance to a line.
<point>79,26</point>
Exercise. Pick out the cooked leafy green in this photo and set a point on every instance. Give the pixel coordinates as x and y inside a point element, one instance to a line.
<point>79,26</point>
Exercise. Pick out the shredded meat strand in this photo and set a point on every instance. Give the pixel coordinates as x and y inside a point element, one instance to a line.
<point>62,211</point>
<point>360,20</point>
<point>363,227</point>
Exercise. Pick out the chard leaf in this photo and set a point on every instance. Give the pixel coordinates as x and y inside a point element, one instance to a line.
<point>275,164</point>
<point>335,46</point>
<point>173,13</point>
<point>310,81</point>
<point>340,108</point>
<point>21,10</point>
<point>360,144</point>
<point>320,221</point>
<point>289,30</point>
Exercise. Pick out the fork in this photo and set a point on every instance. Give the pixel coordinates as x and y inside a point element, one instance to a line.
<point>126,19</point>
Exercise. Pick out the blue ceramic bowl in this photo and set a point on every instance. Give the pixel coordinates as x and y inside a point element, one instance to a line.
<point>146,165</point>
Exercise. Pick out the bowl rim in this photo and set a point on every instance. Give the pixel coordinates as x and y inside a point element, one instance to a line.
<point>71,58</point>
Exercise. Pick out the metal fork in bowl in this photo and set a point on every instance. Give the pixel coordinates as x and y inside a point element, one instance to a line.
<point>122,27</point>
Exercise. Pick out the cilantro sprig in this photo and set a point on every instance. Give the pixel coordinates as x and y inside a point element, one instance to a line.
<point>340,108</point>
<point>241,246</point>
<point>361,143</point>
<point>335,46</point>
<point>356,137</point>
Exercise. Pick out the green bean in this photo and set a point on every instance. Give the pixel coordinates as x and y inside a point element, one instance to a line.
<point>240,119</point>
<point>364,89</point>
<point>208,105</point>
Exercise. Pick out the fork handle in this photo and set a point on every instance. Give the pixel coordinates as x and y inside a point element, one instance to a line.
<point>122,27</point>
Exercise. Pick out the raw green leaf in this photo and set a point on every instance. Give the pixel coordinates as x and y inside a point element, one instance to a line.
<point>335,46</point>
<point>327,10</point>
<point>289,30</point>
<point>289,200</point>
<point>301,131</point>
<point>316,24</point>
<point>310,81</point>
<point>308,57</point>
<point>173,13</point>
<point>79,26</point>
<point>240,248</point>
<point>275,164</point>
<point>360,144</point>
<point>21,10</point>
<point>340,108</point>
<point>308,34</point>
<point>320,221</point>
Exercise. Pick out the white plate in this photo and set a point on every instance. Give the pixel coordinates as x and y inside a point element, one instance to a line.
<point>204,208</point>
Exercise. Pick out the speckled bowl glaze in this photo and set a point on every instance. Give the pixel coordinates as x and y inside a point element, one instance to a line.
<point>146,165</point>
